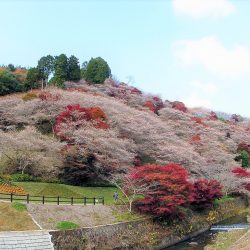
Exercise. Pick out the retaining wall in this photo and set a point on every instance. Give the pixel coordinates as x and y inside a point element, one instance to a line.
<point>144,234</point>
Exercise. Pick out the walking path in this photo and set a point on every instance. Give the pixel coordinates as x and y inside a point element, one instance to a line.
<point>26,240</point>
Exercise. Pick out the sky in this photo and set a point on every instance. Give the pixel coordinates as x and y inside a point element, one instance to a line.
<point>195,51</point>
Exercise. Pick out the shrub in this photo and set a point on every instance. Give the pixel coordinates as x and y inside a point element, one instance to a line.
<point>169,190</point>
<point>149,105</point>
<point>47,96</point>
<point>75,116</point>
<point>44,125</point>
<point>19,206</point>
<point>179,106</point>
<point>242,173</point>
<point>97,70</point>
<point>21,177</point>
<point>29,96</point>
<point>64,225</point>
<point>205,192</point>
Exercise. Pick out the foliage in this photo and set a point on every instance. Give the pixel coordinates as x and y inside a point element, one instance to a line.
<point>179,106</point>
<point>244,158</point>
<point>76,116</point>
<point>64,225</point>
<point>19,206</point>
<point>205,192</point>
<point>32,79</point>
<point>22,177</point>
<point>45,67</point>
<point>29,96</point>
<point>61,70</point>
<point>9,83</point>
<point>169,189</point>
<point>9,188</point>
<point>244,174</point>
<point>73,70</point>
<point>97,70</point>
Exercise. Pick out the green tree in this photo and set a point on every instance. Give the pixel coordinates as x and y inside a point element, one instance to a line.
<point>83,69</point>
<point>11,67</point>
<point>74,73</point>
<point>244,158</point>
<point>97,70</point>
<point>9,83</point>
<point>32,79</point>
<point>46,67</point>
<point>61,70</point>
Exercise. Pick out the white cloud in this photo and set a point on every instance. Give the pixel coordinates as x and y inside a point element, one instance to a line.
<point>203,8</point>
<point>207,88</point>
<point>213,56</point>
<point>194,100</point>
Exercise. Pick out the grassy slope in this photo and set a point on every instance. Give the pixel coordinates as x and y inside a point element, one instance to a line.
<point>52,189</point>
<point>225,239</point>
<point>12,219</point>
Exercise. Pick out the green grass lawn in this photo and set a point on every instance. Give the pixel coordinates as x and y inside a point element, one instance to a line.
<point>62,190</point>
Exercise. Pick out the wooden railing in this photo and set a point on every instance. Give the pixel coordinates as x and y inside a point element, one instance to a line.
<point>51,199</point>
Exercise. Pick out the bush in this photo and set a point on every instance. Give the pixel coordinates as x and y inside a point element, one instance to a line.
<point>97,70</point>
<point>76,116</point>
<point>44,125</point>
<point>64,225</point>
<point>22,177</point>
<point>179,106</point>
<point>205,192</point>
<point>29,96</point>
<point>171,192</point>
<point>19,206</point>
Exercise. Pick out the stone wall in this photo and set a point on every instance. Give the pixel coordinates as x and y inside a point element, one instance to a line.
<point>144,234</point>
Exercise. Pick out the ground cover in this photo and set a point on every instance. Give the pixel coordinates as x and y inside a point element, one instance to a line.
<point>224,240</point>
<point>14,217</point>
<point>62,190</point>
<point>49,216</point>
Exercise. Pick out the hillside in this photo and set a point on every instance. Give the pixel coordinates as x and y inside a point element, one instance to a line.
<point>134,129</point>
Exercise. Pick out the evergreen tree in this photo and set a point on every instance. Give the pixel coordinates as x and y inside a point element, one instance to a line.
<point>32,79</point>
<point>74,73</point>
<point>46,67</point>
<point>83,69</point>
<point>61,70</point>
<point>97,70</point>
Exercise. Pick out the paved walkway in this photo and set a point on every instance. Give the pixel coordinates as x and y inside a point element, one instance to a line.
<point>26,240</point>
<point>243,243</point>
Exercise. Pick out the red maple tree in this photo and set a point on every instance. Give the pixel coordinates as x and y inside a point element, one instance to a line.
<point>169,189</point>
<point>205,192</point>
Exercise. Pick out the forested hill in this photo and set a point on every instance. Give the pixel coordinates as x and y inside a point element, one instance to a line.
<point>75,133</point>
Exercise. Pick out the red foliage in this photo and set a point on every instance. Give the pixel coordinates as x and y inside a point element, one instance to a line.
<point>74,117</point>
<point>154,105</point>
<point>150,105</point>
<point>242,173</point>
<point>212,116</point>
<point>136,91</point>
<point>179,106</point>
<point>169,189</point>
<point>197,120</point>
<point>195,138</point>
<point>47,96</point>
<point>205,192</point>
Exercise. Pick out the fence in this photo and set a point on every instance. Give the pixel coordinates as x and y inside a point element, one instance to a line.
<point>51,199</point>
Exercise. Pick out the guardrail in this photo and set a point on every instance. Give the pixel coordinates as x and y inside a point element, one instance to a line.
<point>51,199</point>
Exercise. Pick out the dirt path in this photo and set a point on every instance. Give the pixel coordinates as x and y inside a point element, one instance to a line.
<point>85,216</point>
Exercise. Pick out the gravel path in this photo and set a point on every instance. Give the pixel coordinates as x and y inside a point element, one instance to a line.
<point>243,243</point>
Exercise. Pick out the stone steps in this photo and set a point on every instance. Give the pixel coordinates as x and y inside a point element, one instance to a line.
<point>26,240</point>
